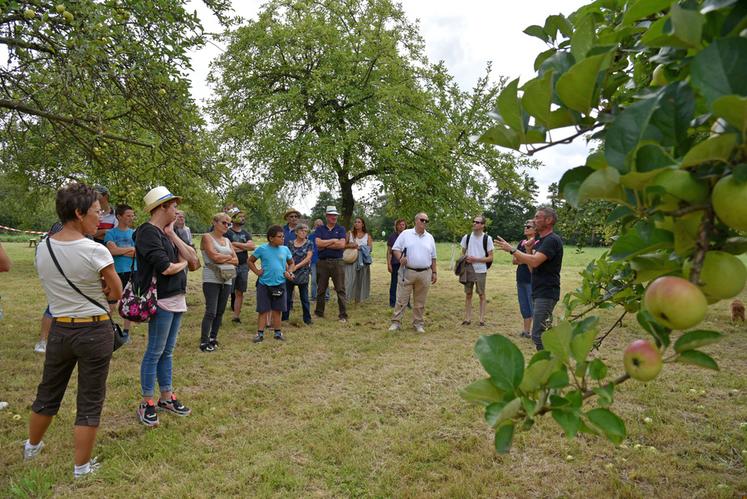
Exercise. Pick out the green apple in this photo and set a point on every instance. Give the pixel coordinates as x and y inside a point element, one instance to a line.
<point>659,77</point>
<point>723,275</point>
<point>60,8</point>
<point>675,302</point>
<point>682,185</point>
<point>68,16</point>
<point>29,13</point>
<point>642,360</point>
<point>729,200</point>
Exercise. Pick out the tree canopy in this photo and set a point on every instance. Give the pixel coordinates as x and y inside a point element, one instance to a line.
<point>338,93</point>
<point>97,90</point>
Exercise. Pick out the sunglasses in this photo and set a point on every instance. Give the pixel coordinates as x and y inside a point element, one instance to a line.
<point>223,222</point>
<point>424,220</point>
<point>478,222</point>
<point>529,226</point>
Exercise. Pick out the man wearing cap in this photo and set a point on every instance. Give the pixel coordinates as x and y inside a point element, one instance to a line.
<point>292,216</point>
<point>242,243</point>
<point>181,229</point>
<point>161,253</point>
<point>109,219</point>
<point>330,242</point>
<point>416,251</point>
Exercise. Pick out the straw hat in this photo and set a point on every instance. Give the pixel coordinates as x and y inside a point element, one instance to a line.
<point>289,211</point>
<point>331,210</point>
<point>157,196</point>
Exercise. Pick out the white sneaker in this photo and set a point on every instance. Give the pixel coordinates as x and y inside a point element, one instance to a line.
<point>31,451</point>
<point>92,467</point>
<point>419,329</point>
<point>394,327</point>
<point>41,346</point>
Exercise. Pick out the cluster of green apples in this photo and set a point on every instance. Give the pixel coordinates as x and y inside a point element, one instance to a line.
<point>675,302</point>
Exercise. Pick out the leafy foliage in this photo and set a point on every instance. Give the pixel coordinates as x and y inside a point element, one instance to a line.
<point>662,85</point>
<point>97,91</point>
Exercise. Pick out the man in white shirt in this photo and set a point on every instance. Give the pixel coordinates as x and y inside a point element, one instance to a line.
<point>478,248</point>
<point>416,251</point>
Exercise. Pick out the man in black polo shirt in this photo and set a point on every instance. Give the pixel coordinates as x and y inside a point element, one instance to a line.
<point>545,258</point>
<point>242,243</point>
<point>330,241</point>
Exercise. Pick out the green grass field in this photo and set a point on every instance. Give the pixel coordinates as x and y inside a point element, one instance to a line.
<point>357,411</point>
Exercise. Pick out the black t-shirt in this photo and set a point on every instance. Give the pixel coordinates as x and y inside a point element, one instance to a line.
<point>241,236</point>
<point>546,277</point>
<point>155,252</point>
<point>390,242</point>
<point>523,274</point>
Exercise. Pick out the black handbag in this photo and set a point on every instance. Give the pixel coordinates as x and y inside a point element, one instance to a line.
<point>120,338</point>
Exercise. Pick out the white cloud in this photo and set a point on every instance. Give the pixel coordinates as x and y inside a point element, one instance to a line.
<point>465,35</point>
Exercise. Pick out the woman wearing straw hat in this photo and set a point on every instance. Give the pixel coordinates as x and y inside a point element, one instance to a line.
<point>161,252</point>
<point>292,217</point>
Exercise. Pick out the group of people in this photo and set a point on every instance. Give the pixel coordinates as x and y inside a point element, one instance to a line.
<point>91,257</point>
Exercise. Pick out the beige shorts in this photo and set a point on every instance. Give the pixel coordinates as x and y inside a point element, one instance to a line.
<point>478,283</point>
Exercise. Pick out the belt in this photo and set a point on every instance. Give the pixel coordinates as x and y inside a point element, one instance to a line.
<point>419,270</point>
<point>81,320</point>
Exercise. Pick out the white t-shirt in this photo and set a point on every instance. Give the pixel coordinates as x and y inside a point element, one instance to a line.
<point>82,261</point>
<point>421,248</point>
<point>476,249</point>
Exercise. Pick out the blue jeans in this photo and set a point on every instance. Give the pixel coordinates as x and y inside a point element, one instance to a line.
<point>393,286</point>
<point>543,308</point>
<point>163,329</point>
<point>524,290</point>
<point>303,292</point>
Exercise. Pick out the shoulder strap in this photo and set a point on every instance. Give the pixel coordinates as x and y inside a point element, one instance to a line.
<point>57,264</point>
<point>466,244</point>
<point>485,243</point>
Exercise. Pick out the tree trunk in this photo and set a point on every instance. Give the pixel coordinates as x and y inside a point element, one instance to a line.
<point>348,203</point>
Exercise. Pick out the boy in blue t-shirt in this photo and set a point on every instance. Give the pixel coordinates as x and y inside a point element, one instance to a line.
<point>277,266</point>
<point>121,245</point>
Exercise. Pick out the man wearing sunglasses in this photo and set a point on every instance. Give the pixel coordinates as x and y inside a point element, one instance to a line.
<point>416,251</point>
<point>545,258</point>
<point>478,248</point>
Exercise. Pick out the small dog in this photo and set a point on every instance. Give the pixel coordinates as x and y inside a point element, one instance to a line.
<point>737,311</point>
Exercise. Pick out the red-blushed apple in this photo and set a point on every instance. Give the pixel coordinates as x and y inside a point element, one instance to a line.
<point>642,360</point>
<point>675,302</point>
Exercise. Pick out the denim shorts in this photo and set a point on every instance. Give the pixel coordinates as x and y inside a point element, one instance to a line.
<point>242,278</point>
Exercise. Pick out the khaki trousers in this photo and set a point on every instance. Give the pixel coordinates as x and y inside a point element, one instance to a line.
<point>416,283</point>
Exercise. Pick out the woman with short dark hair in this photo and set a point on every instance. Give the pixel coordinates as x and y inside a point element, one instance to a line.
<point>81,334</point>
<point>524,281</point>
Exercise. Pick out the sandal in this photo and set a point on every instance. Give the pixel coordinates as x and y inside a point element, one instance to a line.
<point>465,323</point>
<point>482,324</point>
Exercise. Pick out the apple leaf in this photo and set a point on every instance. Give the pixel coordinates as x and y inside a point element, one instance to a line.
<point>502,360</point>
<point>641,9</point>
<point>576,86</point>
<point>650,266</point>
<point>660,333</point>
<point>696,339</point>
<point>537,32</point>
<point>627,130</point>
<point>597,369</point>
<point>559,379</point>
<point>687,25</point>
<point>716,148</point>
<point>671,120</point>
<point>604,394</point>
<point>697,358</point>
<point>537,97</point>
<point>500,135</point>
<point>502,411</point>
<point>582,39</point>
<point>721,69</point>
<point>537,374</point>
<point>733,109</point>
<point>735,245</point>
<point>510,109</point>
<point>504,435</point>
<point>581,343</point>
<point>611,425</point>
<point>482,392</point>
<point>568,420</point>
<point>558,340</point>
<point>643,238</point>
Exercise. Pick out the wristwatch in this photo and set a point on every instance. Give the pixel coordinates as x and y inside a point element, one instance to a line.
<point>513,250</point>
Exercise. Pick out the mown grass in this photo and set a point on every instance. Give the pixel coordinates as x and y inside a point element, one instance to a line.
<point>355,411</point>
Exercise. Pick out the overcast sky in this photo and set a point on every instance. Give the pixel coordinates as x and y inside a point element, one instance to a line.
<point>465,35</point>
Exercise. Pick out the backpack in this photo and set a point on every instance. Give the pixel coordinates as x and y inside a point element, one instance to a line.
<point>484,246</point>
